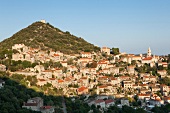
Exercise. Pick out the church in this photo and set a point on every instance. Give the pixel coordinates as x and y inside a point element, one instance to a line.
<point>150,59</point>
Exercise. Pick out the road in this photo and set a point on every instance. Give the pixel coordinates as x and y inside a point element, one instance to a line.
<point>64,105</point>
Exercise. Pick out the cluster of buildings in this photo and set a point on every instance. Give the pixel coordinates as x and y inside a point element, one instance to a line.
<point>37,104</point>
<point>102,76</point>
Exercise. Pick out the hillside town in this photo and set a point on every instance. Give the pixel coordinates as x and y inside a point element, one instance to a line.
<point>102,77</point>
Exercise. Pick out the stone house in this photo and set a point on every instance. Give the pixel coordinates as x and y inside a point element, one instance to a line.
<point>2,67</point>
<point>34,104</point>
<point>105,50</point>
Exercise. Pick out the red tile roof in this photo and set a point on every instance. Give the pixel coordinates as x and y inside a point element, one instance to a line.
<point>99,101</point>
<point>109,101</point>
<point>81,89</point>
<point>30,104</point>
<point>46,107</point>
<point>148,58</point>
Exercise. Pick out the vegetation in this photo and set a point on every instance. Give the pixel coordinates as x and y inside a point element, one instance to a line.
<point>165,81</point>
<point>14,94</point>
<point>162,109</point>
<point>45,36</point>
<point>115,51</point>
<point>17,65</point>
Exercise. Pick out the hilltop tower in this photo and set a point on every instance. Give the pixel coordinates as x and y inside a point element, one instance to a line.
<point>149,52</point>
<point>43,21</point>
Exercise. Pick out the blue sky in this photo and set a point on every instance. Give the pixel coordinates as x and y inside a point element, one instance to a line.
<point>131,25</point>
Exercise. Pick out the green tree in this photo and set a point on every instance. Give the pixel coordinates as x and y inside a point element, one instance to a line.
<point>115,51</point>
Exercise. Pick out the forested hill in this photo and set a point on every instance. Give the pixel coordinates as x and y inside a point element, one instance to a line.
<point>46,36</point>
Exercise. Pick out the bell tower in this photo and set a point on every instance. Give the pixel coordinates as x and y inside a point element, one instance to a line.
<point>149,52</point>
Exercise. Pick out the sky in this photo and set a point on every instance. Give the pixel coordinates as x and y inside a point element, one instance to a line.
<point>131,25</point>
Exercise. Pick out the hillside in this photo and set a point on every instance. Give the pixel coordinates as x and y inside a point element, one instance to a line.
<point>46,36</point>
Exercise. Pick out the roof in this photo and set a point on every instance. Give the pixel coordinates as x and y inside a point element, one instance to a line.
<point>148,58</point>
<point>59,81</point>
<point>99,101</point>
<point>52,78</point>
<point>30,104</point>
<point>85,53</point>
<point>56,55</point>
<point>42,80</point>
<point>103,86</point>
<point>81,89</point>
<point>109,101</point>
<point>1,81</point>
<point>105,48</point>
<point>144,94</point>
<point>46,107</point>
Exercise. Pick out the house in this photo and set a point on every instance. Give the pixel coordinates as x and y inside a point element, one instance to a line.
<point>56,57</point>
<point>41,82</point>
<point>156,102</point>
<point>17,46</point>
<point>34,104</point>
<point>47,109</point>
<point>39,68</point>
<point>114,70</point>
<point>86,54</point>
<point>147,60</point>
<point>64,64</point>
<point>162,72</point>
<point>2,83</point>
<point>52,81</point>
<point>109,102</point>
<point>82,90</point>
<point>164,64</point>
<point>166,99</point>
<point>105,50</point>
<point>101,88</point>
<point>143,96</point>
<point>2,67</point>
<point>114,81</point>
<point>124,101</point>
<point>47,74</point>
<point>84,59</point>
<point>102,65</point>
<point>164,89</point>
<point>131,69</point>
<point>127,84</point>
<point>100,103</point>
<point>139,58</point>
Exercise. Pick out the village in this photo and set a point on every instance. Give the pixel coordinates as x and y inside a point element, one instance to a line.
<point>108,76</point>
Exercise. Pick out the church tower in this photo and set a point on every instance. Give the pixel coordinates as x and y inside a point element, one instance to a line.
<point>149,52</point>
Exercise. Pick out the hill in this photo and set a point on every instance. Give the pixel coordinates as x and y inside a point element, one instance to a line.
<point>45,36</point>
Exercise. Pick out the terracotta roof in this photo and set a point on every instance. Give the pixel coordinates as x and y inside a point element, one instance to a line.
<point>59,81</point>
<point>81,89</point>
<point>99,101</point>
<point>148,58</point>
<point>144,95</point>
<point>30,104</point>
<point>109,101</point>
<point>52,78</point>
<point>47,71</point>
<point>46,107</point>
<point>56,55</point>
<point>42,80</point>
<point>103,86</point>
